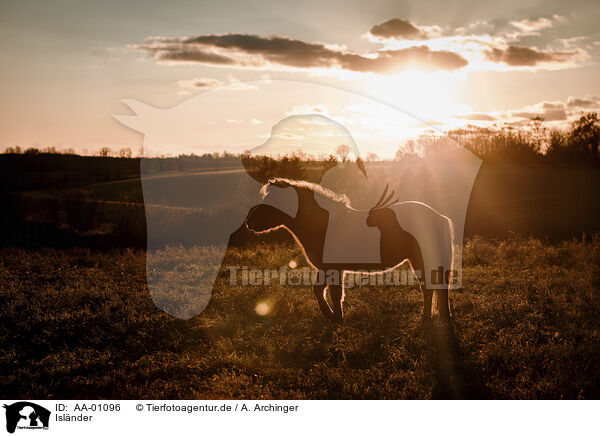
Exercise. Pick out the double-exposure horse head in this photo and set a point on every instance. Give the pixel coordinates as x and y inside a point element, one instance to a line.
<point>338,238</point>
<point>194,203</point>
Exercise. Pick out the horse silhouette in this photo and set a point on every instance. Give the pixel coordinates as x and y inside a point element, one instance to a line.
<point>406,232</point>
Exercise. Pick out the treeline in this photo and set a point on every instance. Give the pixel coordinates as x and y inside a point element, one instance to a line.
<point>44,170</point>
<point>531,144</point>
<point>102,152</point>
<point>190,162</point>
<point>577,145</point>
<point>263,168</point>
<point>21,172</point>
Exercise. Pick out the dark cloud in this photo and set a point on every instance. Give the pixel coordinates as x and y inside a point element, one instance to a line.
<point>519,56</point>
<point>276,49</point>
<point>193,55</point>
<point>398,29</point>
<point>257,51</point>
<point>392,61</point>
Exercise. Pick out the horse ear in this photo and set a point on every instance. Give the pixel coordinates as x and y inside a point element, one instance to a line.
<point>379,202</point>
<point>143,114</point>
<point>361,166</point>
<point>139,108</point>
<point>387,202</point>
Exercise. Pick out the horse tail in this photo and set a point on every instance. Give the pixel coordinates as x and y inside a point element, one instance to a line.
<point>448,247</point>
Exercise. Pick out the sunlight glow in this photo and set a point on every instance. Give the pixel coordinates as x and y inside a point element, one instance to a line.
<point>262,309</point>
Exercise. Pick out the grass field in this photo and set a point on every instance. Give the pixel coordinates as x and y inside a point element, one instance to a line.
<point>80,324</point>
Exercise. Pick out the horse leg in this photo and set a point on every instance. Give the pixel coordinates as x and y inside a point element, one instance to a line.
<point>416,264</point>
<point>337,298</point>
<point>427,300</point>
<point>319,290</point>
<point>443,304</point>
<point>445,261</point>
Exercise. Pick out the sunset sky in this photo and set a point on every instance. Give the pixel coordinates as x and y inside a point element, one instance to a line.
<point>67,64</point>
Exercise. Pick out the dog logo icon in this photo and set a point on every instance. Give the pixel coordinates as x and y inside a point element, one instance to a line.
<point>26,415</point>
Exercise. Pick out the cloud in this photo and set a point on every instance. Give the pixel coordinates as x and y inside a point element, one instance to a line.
<point>557,110</point>
<point>548,110</point>
<point>392,61</point>
<point>397,28</point>
<point>400,29</point>
<point>201,83</point>
<point>582,102</point>
<point>497,44</point>
<point>548,115</point>
<point>254,51</point>
<point>519,56</point>
<point>553,105</point>
<point>559,113</point>
<point>200,56</point>
<point>529,26</point>
<point>232,84</point>
<point>476,117</point>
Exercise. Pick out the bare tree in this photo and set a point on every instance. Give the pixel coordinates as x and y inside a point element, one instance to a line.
<point>371,157</point>
<point>342,151</point>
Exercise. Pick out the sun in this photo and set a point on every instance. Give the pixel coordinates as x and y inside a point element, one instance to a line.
<point>429,96</point>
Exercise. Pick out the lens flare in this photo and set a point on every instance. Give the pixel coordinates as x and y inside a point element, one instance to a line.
<point>262,309</point>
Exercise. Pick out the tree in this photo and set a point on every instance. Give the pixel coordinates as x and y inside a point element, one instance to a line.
<point>557,146</point>
<point>15,150</point>
<point>585,134</point>
<point>342,151</point>
<point>125,152</point>
<point>407,150</point>
<point>104,152</point>
<point>539,133</point>
<point>371,157</point>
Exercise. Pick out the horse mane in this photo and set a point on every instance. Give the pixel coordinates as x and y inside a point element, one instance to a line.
<point>302,184</point>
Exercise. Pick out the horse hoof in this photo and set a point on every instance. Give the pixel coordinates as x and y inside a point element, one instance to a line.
<point>327,315</point>
<point>445,321</point>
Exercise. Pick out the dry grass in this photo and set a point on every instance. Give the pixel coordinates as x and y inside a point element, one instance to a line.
<point>81,324</point>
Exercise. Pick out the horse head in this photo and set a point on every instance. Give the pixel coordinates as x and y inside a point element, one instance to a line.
<point>380,212</point>
<point>278,207</point>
